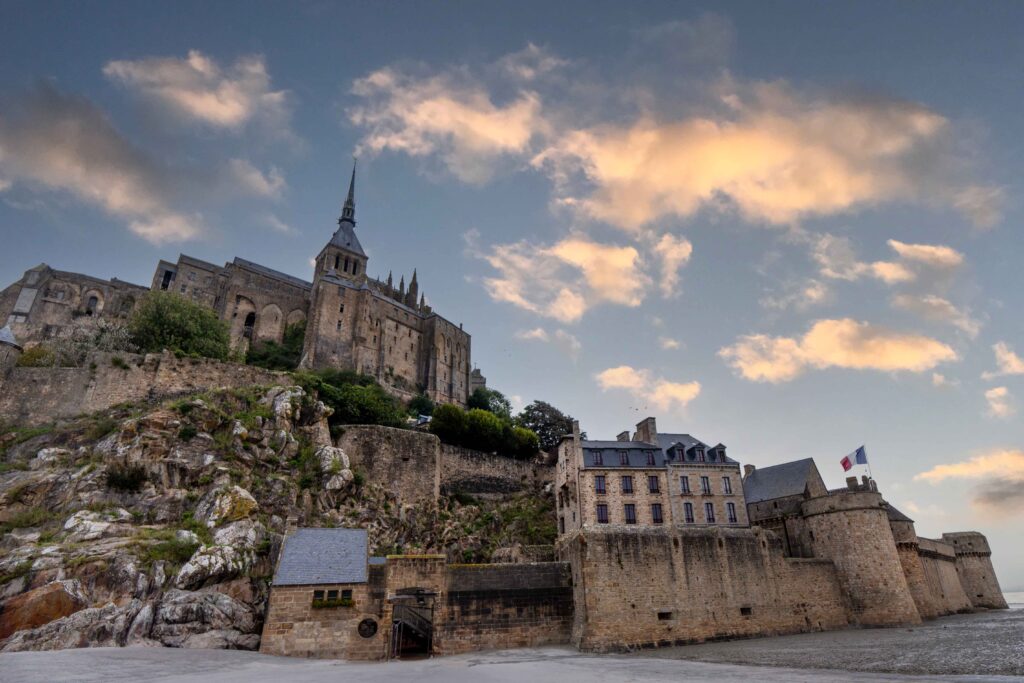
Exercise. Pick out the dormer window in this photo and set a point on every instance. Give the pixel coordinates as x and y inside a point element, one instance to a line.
<point>700,454</point>
<point>624,458</point>
<point>650,458</point>
<point>598,458</point>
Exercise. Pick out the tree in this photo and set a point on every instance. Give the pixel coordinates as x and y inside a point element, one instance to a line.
<point>421,404</point>
<point>356,399</point>
<point>548,422</point>
<point>491,400</point>
<point>449,423</point>
<point>524,444</point>
<point>483,431</point>
<point>283,356</point>
<point>164,320</point>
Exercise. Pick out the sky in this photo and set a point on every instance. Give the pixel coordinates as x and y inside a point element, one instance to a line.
<point>792,228</point>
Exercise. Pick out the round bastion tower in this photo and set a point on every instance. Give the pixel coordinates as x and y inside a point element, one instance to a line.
<point>10,352</point>
<point>851,528</point>
<point>974,566</point>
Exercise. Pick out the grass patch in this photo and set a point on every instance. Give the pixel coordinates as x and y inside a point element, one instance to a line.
<point>175,551</point>
<point>119,363</point>
<point>6,467</point>
<point>100,428</point>
<point>27,518</point>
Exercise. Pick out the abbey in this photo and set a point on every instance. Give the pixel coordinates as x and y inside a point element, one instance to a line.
<point>353,321</point>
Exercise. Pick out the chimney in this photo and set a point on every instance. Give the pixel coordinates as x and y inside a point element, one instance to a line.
<point>647,431</point>
<point>748,470</point>
<point>623,436</point>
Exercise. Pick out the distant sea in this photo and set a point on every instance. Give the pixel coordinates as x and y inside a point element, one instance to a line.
<point>1015,600</point>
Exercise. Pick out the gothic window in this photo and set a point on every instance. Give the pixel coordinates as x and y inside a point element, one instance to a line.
<point>90,307</point>
<point>726,485</point>
<point>653,484</point>
<point>627,484</point>
<point>599,484</point>
<point>684,484</point>
<point>656,515</point>
<point>709,513</point>
<point>630,510</point>
<point>602,513</point>
<point>705,485</point>
<point>731,510</point>
<point>339,326</point>
<point>688,512</point>
<point>341,308</point>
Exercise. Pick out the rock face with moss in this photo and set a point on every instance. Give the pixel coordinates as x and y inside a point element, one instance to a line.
<point>162,524</point>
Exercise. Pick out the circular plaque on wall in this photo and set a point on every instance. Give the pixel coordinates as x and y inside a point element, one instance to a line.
<point>367,628</point>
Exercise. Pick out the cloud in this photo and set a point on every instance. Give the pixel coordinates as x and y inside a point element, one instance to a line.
<point>673,253</point>
<point>565,279</point>
<point>661,393</point>
<point>999,405</point>
<point>530,63</point>
<point>537,334</point>
<point>668,343</point>
<point>932,255</point>
<point>197,88</point>
<point>564,340</point>
<point>447,116</point>
<point>982,205</point>
<point>66,143</point>
<point>775,156</point>
<point>1007,362</point>
<point>935,308</point>
<point>253,181</point>
<point>843,343</point>
<point>277,225</point>
<point>837,260</point>
<point>1001,471</point>
<point>940,380</point>
<point>799,295</point>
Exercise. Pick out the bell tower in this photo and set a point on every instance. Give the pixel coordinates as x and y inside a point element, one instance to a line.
<point>343,256</point>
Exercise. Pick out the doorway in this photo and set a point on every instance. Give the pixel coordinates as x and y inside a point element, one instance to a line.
<point>412,623</point>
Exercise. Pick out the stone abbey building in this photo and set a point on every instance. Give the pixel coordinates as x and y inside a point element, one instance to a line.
<point>353,321</point>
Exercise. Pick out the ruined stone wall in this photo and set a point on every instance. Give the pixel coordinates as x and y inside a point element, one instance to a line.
<point>494,606</point>
<point>32,396</point>
<point>405,462</point>
<point>469,471</point>
<point>637,587</point>
<point>297,629</point>
<point>974,566</point>
<point>852,529</point>
<point>942,583</point>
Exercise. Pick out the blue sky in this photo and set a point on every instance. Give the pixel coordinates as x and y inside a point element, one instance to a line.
<point>790,227</point>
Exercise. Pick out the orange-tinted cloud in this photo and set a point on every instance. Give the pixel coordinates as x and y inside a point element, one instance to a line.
<point>1007,362</point>
<point>659,392</point>
<point>843,343</point>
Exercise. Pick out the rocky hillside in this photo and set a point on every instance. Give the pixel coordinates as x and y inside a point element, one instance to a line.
<point>161,524</point>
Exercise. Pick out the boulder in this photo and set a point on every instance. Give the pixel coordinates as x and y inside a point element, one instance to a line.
<point>334,466</point>
<point>41,606</point>
<point>284,402</point>
<point>233,553</point>
<point>48,457</point>
<point>86,525</point>
<point>105,626</point>
<point>185,614</point>
<point>225,504</point>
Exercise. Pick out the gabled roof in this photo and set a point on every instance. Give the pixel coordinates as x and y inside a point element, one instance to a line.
<point>345,238</point>
<point>636,454</point>
<point>322,556</point>
<point>668,441</point>
<point>778,481</point>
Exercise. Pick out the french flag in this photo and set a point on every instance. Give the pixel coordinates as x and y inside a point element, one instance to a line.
<point>858,457</point>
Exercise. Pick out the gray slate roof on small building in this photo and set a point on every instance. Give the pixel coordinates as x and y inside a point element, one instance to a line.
<point>777,481</point>
<point>323,556</point>
<point>895,515</point>
<point>7,336</point>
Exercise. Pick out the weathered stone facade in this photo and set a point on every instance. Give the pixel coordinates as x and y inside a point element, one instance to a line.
<point>974,567</point>
<point>353,322</point>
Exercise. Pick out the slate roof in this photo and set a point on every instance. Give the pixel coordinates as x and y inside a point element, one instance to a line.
<point>636,453</point>
<point>322,556</point>
<point>7,337</point>
<point>667,441</point>
<point>271,273</point>
<point>777,481</point>
<point>345,237</point>
<point>895,515</point>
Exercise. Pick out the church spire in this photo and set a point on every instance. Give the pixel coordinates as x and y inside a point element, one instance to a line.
<point>348,211</point>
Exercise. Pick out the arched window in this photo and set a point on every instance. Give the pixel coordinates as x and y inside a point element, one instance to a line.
<point>355,268</point>
<point>90,307</point>
<point>250,322</point>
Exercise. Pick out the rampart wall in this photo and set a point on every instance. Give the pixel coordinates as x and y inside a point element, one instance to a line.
<point>468,471</point>
<point>646,587</point>
<point>974,566</point>
<point>33,396</point>
<point>938,563</point>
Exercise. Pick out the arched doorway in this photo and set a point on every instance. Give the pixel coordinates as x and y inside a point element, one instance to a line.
<point>412,623</point>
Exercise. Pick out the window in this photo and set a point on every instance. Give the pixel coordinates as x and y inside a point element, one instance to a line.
<point>346,594</point>
<point>337,261</point>
<point>250,322</point>
<point>90,307</point>
<point>624,458</point>
<point>598,458</point>
<point>730,508</point>
<point>341,308</point>
<point>346,264</point>
<point>599,484</point>
<point>700,454</point>
<point>561,525</point>
<point>652,484</point>
<point>684,484</point>
<point>355,268</point>
<point>688,512</point>
<point>318,595</point>
<point>332,595</point>
<point>656,513</point>
<point>166,282</point>
<point>709,513</point>
<point>664,616</point>
<point>339,326</point>
<point>746,611</point>
<point>183,288</point>
<point>650,458</point>
<point>630,513</point>
<point>191,276</point>
<point>627,484</point>
<point>602,513</point>
<point>705,485</point>
<point>726,485</point>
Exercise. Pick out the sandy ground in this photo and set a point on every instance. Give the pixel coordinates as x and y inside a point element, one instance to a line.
<point>981,646</point>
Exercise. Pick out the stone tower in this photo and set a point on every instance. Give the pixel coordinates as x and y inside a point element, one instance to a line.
<point>851,528</point>
<point>10,351</point>
<point>974,565</point>
<point>343,256</point>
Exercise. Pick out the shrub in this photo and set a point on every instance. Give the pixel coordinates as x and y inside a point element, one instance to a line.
<point>283,356</point>
<point>547,422</point>
<point>524,443</point>
<point>187,432</point>
<point>126,477</point>
<point>356,399</point>
<point>483,431</point>
<point>449,423</point>
<point>164,320</point>
<point>119,363</point>
<point>29,517</point>
<point>38,356</point>
<point>100,428</point>
<point>174,550</point>
<point>491,400</point>
<point>421,404</point>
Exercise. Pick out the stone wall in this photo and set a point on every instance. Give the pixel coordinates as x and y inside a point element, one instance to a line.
<point>403,461</point>
<point>942,583</point>
<point>851,528</point>
<point>642,587</point>
<point>974,566</point>
<point>32,396</point>
<point>495,606</point>
<point>468,471</point>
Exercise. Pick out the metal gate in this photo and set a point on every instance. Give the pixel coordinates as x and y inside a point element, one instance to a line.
<point>412,629</point>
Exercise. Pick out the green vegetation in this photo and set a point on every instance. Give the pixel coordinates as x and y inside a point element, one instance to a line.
<point>283,356</point>
<point>102,426</point>
<point>168,548</point>
<point>355,398</point>
<point>421,404</point>
<point>491,400</point>
<point>124,477</point>
<point>546,421</point>
<point>36,357</point>
<point>18,570</point>
<point>119,363</point>
<point>484,431</point>
<point>27,518</point>
<point>164,320</point>
<point>187,432</point>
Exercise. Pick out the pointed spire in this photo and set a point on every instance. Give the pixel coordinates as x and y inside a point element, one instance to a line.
<point>348,212</point>
<point>401,288</point>
<point>390,281</point>
<point>413,282</point>
<point>423,301</point>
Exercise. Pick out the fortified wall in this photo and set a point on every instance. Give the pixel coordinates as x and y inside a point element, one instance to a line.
<point>34,396</point>
<point>417,467</point>
<point>974,568</point>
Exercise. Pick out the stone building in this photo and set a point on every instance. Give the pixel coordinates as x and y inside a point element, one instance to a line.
<point>353,321</point>
<point>647,479</point>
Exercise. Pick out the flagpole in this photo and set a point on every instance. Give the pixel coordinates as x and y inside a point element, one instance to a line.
<point>867,461</point>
